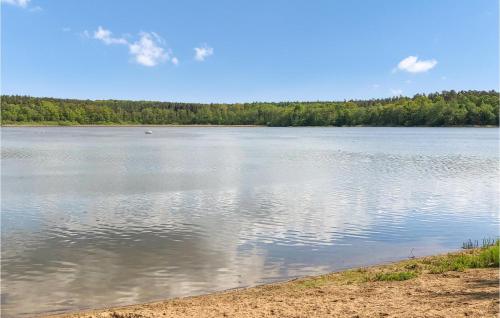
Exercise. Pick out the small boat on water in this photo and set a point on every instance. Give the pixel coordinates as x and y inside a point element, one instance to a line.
<point>148,132</point>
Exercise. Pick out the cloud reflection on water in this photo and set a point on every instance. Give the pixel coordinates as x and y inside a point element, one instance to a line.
<point>104,216</point>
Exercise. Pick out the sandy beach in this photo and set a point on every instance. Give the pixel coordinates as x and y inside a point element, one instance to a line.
<point>404,289</point>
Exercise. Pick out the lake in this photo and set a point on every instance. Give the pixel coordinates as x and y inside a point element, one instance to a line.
<point>99,216</point>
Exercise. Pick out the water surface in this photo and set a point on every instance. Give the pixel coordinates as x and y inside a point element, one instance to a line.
<point>95,217</point>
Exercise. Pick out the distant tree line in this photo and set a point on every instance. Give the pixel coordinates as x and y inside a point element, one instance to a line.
<point>448,108</point>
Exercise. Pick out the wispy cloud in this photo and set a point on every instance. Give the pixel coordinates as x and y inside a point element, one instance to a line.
<point>85,34</point>
<point>19,3</point>
<point>201,53</point>
<point>148,50</point>
<point>106,37</point>
<point>412,64</point>
<point>24,4</point>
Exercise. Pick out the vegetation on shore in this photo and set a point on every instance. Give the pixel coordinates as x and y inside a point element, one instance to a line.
<point>448,108</point>
<point>486,256</point>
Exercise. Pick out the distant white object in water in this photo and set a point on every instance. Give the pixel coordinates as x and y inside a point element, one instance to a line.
<point>148,132</point>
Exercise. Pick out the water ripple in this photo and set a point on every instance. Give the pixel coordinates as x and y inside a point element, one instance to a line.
<point>108,216</point>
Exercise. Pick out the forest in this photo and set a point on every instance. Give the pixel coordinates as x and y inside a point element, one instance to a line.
<point>447,108</point>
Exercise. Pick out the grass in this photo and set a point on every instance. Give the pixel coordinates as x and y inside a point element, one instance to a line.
<point>395,276</point>
<point>485,255</point>
<point>480,257</point>
<point>487,242</point>
<point>313,283</point>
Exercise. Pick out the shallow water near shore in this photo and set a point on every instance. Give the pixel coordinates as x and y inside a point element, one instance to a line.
<point>106,216</point>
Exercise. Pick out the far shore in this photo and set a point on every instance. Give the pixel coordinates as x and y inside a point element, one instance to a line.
<point>436,286</point>
<point>124,125</point>
<point>34,125</point>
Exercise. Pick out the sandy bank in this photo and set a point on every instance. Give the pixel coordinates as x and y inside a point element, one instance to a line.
<point>414,291</point>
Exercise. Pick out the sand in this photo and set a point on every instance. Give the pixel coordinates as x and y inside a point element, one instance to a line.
<point>471,293</point>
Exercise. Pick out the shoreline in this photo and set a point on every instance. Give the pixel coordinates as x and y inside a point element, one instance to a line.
<point>224,126</point>
<point>408,288</point>
<point>124,125</point>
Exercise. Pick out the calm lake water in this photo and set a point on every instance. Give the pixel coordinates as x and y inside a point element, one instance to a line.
<point>93,217</point>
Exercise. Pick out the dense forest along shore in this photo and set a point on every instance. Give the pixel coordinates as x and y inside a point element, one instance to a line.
<point>448,108</point>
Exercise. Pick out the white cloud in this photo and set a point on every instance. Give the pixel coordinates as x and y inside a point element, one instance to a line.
<point>19,3</point>
<point>201,53</point>
<point>105,36</point>
<point>375,85</point>
<point>413,65</point>
<point>147,51</point>
<point>396,92</point>
<point>66,29</point>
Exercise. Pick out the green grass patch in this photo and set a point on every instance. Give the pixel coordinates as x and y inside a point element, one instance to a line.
<point>354,276</point>
<point>313,282</point>
<point>394,276</point>
<point>487,242</point>
<point>485,256</point>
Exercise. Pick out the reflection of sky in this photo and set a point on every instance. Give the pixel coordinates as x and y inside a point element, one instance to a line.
<point>102,216</point>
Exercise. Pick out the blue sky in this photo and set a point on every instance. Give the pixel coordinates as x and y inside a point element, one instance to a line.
<point>241,51</point>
